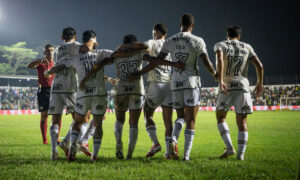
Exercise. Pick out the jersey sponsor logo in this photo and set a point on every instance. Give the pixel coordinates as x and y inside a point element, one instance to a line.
<point>181,38</point>
<point>89,90</point>
<point>179,84</point>
<point>233,84</point>
<point>128,88</point>
<point>57,87</point>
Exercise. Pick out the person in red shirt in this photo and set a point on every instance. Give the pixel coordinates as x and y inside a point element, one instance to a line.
<point>43,93</point>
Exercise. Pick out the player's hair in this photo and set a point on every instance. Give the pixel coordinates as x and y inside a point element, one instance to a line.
<point>68,33</point>
<point>87,35</point>
<point>234,31</point>
<point>49,46</point>
<point>130,38</point>
<point>161,27</point>
<point>187,20</point>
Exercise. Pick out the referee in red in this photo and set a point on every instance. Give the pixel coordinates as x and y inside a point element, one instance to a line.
<point>43,93</point>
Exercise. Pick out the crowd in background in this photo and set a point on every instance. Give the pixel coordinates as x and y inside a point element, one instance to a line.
<point>16,98</point>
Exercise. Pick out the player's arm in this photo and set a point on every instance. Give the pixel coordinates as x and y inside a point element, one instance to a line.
<point>127,52</point>
<point>259,73</point>
<point>54,70</point>
<point>219,73</point>
<point>208,65</point>
<point>111,81</point>
<point>35,63</point>
<point>133,46</point>
<point>94,70</point>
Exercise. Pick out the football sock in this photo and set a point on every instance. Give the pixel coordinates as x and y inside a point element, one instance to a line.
<point>89,132</point>
<point>151,130</point>
<point>224,132</point>
<point>43,126</point>
<point>167,141</point>
<point>118,132</point>
<point>58,131</point>
<point>67,137</point>
<point>83,129</point>
<point>54,134</point>
<point>133,136</point>
<point>242,142</point>
<point>74,138</point>
<point>96,147</point>
<point>189,137</point>
<point>177,129</point>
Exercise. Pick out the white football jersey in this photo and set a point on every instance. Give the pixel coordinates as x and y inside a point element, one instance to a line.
<point>185,47</point>
<point>66,80</point>
<point>159,73</point>
<point>83,63</point>
<point>124,67</point>
<point>236,55</point>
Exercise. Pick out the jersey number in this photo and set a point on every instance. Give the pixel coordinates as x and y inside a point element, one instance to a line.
<point>235,62</point>
<point>88,67</point>
<point>124,68</point>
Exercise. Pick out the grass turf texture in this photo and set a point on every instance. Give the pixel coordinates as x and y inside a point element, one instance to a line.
<point>273,151</point>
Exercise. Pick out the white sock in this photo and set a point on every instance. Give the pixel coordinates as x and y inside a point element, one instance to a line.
<point>96,147</point>
<point>167,141</point>
<point>89,132</point>
<point>118,132</point>
<point>74,138</point>
<point>242,142</point>
<point>54,135</point>
<point>151,130</point>
<point>133,136</point>
<point>224,132</point>
<point>83,129</point>
<point>67,137</point>
<point>177,129</point>
<point>189,137</point>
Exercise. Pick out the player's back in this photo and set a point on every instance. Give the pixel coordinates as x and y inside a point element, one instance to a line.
<point>236,55</point>
<point>185,47</point>
<point>83,64</point>
<point>160,73</point>
<point>126,66</point>
<point>65,80</point>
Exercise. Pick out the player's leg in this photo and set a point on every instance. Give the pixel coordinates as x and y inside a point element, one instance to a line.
<point>87,131</point>
<point>134,116</point>
<point>243,106</point>
<point>192,102</point>
<point>98,109</point>
<point>121,106</point>
<point>224,132</point>
<point>167,117</point>
<point>135,104</point>
<point>241,120</point>
<point>81,108</point>
<point>43,126</point>
<point>97,136</point>
<point>190,120</point>
<point>54,129</point>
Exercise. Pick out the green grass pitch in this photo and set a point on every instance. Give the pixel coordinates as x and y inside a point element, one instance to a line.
<point>273,151</point>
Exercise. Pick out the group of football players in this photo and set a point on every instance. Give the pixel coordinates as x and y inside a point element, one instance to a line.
<point>173,83</point>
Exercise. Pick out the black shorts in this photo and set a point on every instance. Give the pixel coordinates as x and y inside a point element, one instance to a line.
<point>43,96</point>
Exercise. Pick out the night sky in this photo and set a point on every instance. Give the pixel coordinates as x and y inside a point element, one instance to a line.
<point>272,28</point>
